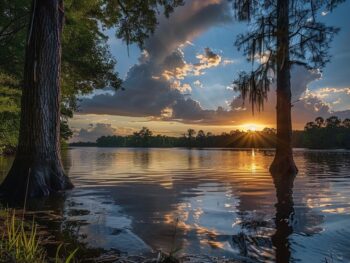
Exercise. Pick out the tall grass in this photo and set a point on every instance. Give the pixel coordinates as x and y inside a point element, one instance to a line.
<point>20,242</point>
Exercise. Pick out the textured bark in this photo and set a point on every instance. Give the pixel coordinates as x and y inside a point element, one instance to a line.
<point>283,162</point>
<point>37,168</point>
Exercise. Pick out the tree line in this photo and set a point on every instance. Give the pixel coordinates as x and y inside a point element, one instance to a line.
<point>331,133</point>
<point>328,133</point>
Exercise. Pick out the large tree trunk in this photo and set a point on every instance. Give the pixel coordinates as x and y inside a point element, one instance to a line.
<point>283,162</point>
<point>37,169</point>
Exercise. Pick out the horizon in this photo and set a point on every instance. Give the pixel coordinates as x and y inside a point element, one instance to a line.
<point>106,130</point>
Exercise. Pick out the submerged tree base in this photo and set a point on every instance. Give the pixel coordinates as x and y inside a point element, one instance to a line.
<point>28,179</point>
<point>283,165</point>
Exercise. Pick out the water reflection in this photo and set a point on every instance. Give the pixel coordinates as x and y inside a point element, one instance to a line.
<point>284,216</point>
<point>216,202</point>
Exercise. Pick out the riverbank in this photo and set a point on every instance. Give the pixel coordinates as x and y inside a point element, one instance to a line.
<point>24,240</point>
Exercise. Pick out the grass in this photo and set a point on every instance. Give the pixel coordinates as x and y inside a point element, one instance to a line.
<point>20,242</point>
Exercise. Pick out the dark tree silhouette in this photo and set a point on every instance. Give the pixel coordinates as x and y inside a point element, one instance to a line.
<point>190,136</point>
<point>319,121</point>
<point>283,33</point>
<point>333,133</point>
<point>201,138</point>
<point>143,136</point>
<point>37,169</point>
<point>346,123</point>
<point>333,122</point>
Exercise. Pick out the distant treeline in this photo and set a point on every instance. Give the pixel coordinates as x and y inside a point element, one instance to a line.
<point>321,134</point>
<point>327,134</point>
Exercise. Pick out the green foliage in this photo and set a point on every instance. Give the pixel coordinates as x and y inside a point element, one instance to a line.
<point>19,242</point>
<point>9,113</point>
<point>86,61</point>
<point>137,18</point>
<point>14,15</point>
<point>10,95</point>
<point>69,259</point>
<point>65,131</point>
<point>9,126</point>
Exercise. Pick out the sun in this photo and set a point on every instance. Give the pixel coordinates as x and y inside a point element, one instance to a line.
<point>251,127</point>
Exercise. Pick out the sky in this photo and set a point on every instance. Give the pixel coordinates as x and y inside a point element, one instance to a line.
<point>183,79</point>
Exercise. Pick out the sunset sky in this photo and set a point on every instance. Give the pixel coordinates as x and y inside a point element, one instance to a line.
<point>183,78</point>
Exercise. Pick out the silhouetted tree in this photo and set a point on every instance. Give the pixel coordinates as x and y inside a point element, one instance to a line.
<point>143,136</point>
<point>269,130</point>
<point>333,122</point>
<point>200,134</point>
<point>319,121</point>
<point>310,125</point>
<point>346,123</point>
<point>190,135</point>
<point>282,33</point>
<point>201,138</point>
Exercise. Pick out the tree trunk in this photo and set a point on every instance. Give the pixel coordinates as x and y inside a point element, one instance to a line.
<point>283,162</point>
<point>37,170</point>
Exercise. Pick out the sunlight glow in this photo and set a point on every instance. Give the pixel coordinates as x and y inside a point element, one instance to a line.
<point>252,127</point>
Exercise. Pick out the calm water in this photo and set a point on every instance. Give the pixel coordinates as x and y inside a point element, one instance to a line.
<point>215,202</point>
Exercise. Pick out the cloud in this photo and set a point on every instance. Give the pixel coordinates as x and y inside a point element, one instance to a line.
<point>198,84</point>
<point>93,132</point>
<point>185,24</point>
<point>175,68</point>
<point>228,61</point>
<point>324,92</point>
<point>206,60</point>
<point>154,87</point>
<point>155,83</point>
<point>306,106</point>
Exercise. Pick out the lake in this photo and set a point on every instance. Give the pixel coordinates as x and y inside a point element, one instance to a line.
<point>219,202</point>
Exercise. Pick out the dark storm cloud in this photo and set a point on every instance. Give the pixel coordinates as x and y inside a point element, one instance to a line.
<point>186,23</point>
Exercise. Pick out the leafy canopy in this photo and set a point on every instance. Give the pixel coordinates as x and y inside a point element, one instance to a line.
<point>87,63</point>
